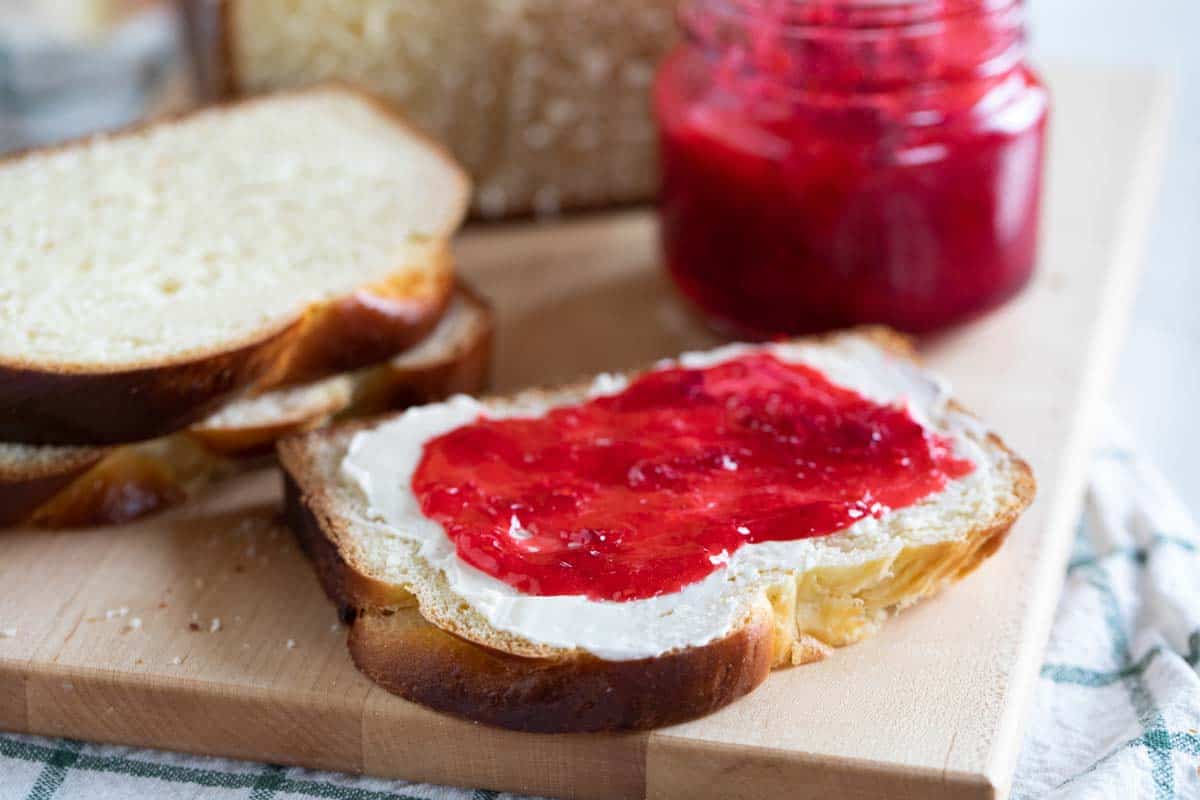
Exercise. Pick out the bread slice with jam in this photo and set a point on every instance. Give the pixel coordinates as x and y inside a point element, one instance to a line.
<point>151,275</point>
<point>65,487</point>
<point>638,630</point>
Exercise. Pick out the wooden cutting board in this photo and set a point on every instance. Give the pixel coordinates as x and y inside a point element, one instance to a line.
<point>204,630</point>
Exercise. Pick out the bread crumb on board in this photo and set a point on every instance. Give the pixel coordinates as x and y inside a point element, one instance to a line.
<point>291,644</point>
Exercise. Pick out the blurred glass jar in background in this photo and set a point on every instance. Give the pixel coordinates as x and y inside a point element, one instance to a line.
<point>71,67</point>
<point>833,162</point>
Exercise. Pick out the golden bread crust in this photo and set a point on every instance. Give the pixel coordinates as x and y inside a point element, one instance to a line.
<point>21,497</point>
<point>111,486</point>
<point>321,536</point>
<point>39,406</point>
<point>369,325</point>
<point>464,370</point>
<point>566,695</point>
<point>87,408</point>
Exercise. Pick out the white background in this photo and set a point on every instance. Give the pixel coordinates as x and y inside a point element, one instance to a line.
<point>1157,388</point>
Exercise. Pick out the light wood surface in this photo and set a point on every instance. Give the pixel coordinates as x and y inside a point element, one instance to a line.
<point>114,636</point>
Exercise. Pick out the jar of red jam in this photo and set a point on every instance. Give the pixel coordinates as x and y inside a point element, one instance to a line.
<point>832,162</point>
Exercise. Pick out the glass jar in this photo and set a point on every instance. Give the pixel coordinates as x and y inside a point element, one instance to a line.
<point>833,162</point>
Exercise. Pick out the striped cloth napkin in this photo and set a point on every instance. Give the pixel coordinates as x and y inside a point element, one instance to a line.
<point>1116,713</point>
<point>1117,710</point>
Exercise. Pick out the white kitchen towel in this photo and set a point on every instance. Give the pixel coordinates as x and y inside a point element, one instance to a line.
<point>1116,713</point>
<point>1117,710</point>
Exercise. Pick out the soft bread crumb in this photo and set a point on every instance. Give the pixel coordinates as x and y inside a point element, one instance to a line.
<point>220,225</point>
<point>280,406</point>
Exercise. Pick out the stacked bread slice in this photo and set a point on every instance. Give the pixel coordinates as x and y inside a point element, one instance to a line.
<point>176,297</point>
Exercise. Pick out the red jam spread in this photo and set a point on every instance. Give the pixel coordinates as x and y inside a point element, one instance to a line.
<point>833,162</point>
<point>644,492</point>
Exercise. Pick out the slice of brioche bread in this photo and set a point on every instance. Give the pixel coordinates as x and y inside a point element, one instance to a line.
<point>416,635</point>
<point>63,487</point>
<point>152,274</point>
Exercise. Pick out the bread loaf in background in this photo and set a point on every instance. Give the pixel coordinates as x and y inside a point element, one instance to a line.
<point>546,102</point>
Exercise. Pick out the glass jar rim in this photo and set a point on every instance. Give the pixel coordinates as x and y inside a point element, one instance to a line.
<point>852,18</point>
<point>859,46</point>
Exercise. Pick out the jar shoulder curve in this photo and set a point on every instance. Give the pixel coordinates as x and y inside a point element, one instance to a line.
<point>691,85</point>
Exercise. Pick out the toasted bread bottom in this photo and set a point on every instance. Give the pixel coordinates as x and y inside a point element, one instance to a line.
<point>584,693</point>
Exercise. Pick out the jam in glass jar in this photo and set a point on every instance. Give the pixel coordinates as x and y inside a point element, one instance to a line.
<point>833,162</point>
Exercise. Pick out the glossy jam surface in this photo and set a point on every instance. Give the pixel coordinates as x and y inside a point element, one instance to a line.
<point>821,170</point>
<point>644,492</point>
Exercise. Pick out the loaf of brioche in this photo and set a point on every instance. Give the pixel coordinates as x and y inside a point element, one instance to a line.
<point>545,102</point>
